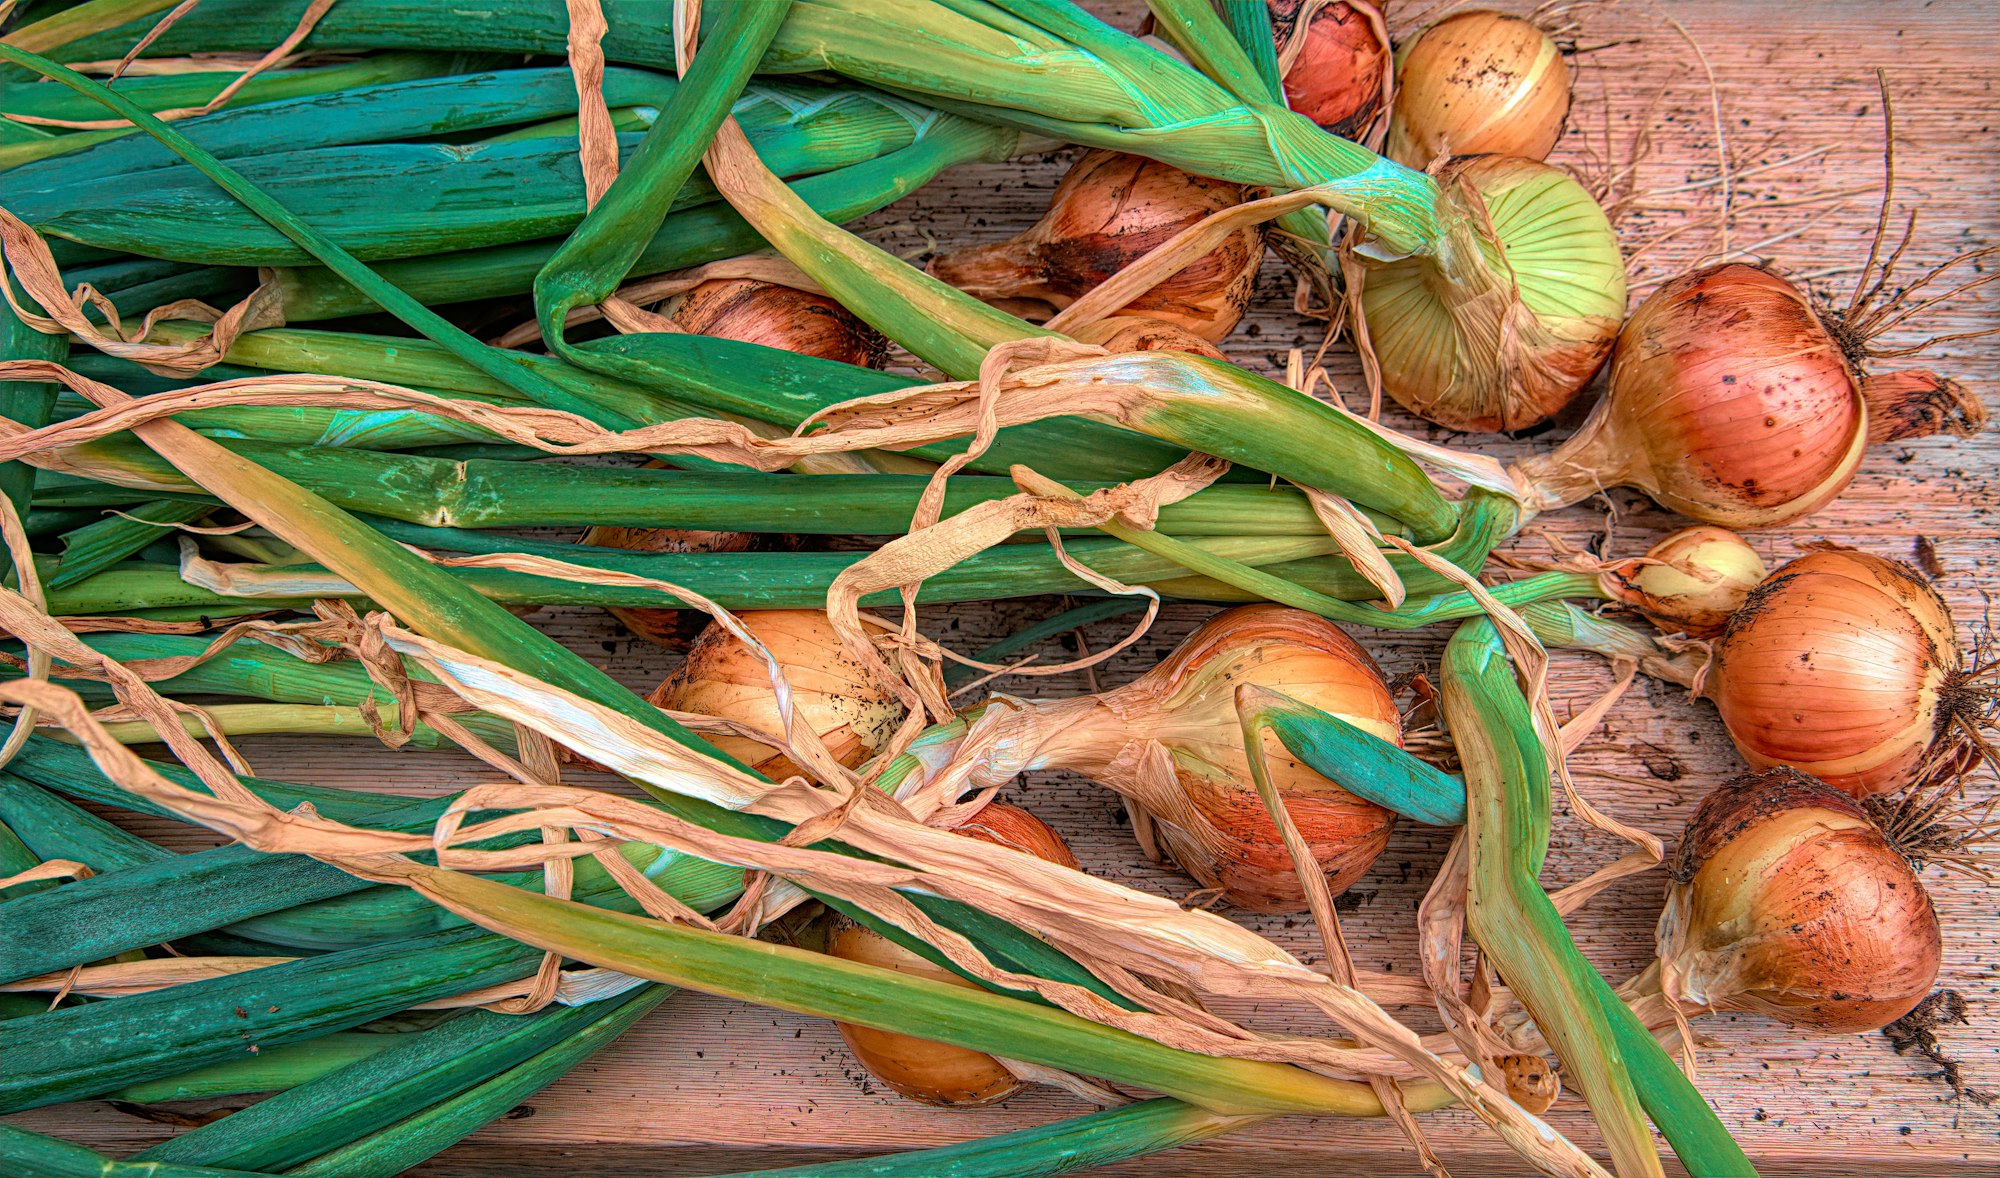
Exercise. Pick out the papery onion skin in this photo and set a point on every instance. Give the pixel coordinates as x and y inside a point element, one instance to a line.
<point>1917,403</point>
<point>1478,82</point>
<point>1206,809</point>
<point>1786,899</point>
<point>1844,665</point>
<point>1338,61</point>
<point>1506,345</point>
<point>1730,403</point>
<point>835,695</point>
<point>779,316</point>
<point>1691,581</point>
<point>922,1069</point>
<point>1110,210</point>
<point>1136,333</point>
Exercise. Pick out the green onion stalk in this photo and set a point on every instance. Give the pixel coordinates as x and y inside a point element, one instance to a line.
<point>1606,1052</point>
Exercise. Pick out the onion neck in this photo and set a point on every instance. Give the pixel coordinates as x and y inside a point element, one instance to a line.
<point>1594,459</point>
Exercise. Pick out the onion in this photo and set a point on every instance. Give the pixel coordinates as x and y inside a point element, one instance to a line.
<point>1690,582</point>
<point>1735,401</point>
<point>1136,333</point>
<point>1109,210</point>
<point>1505,340</point>
<point>1335,57</point>
<point>832,692</point>
<point>1476,83</point>
<point>1200,796</point>
<point>921,1069</point>
<point>1787,899</point>
<point>1847,666</point>
<point>779,316</point>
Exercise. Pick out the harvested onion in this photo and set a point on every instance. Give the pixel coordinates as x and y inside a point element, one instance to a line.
<point>1196,787</point>
<point>1110,210</point>
<point>1787,899</point>
<point>779,316</point>
<point>921,1069</point>
<point>1335,56</point>
<point>1507,337</point>
<point>833,693</point>
<point>1478,83</point>
<point>1691,582</point>
<point>1734,401</point>
<point>1847,666</point>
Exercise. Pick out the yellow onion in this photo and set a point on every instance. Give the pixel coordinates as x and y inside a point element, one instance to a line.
<point>1785,898</point>
<point>1200,795</point>
<point>674,628</point>
<point>1690,582</point>
<point>1110,210</point>
<point>1475,83</point>
<point>1503,334</point>
<point>1136,333</point>
<point>1847,666</point>
<point>832,692</point>
<point>779,316</point>
<point>1734,400</point>
<point>921,1069</point>
<point>1335,57</point>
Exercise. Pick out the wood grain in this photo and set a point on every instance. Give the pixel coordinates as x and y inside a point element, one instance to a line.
<point>707,1085</point>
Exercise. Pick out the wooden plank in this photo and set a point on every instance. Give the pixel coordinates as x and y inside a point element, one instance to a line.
<point>707,1085</point>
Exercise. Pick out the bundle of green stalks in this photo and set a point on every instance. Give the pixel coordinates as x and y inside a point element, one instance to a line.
<point>335,918</point>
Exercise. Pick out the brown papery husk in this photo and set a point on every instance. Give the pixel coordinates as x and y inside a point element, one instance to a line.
<point>1847,666</point>
<point>1786,899</point>
<point>1730,402</point>
<point>779,316</point>
<point>1336,58</point>
<point>1917,403</point>
<point>1517,314</point>
<point>1691,582</point>
<point>1137,333</point>
<point>1478,82</point>
<point>834,693</point>
<point>1171,741</point>
<point>1109,210</point>
<point>921,1069</point>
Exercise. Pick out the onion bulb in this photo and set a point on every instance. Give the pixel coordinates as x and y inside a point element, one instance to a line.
<point>1847,666</point>
<point>1136,333</point>
<point>1335,57</point>
<point>1690,582</point>
<point>1503,334</point>
<point>779,316</point>
<point>921,1069</point>
<point>832,692</point>
<point>1110,210</point>
<point>1171,743</point>
<point>1785,898</point>
<point>1735,401</point>
<point>1478,83</point>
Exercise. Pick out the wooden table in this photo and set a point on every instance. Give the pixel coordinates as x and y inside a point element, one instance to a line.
<point>706,1085</point>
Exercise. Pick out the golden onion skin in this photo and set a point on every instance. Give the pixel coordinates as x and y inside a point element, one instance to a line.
<point>1506,348</point>
<point>1785,898</point>
<point>835,695</point>
<point>1337,63</point>
<point>1477,83</point>
<point>779,316</point>
<point>1691,581</point>
<point>922,1069</point>
<point>1841,664</point>
<point>1209,816</point>
<point>1110,210</point>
